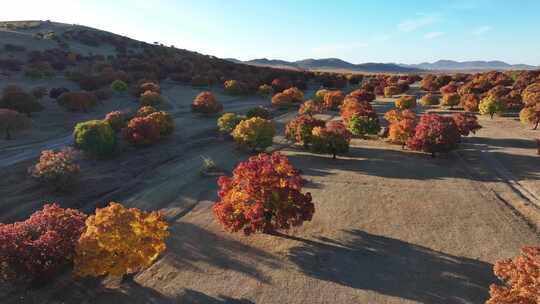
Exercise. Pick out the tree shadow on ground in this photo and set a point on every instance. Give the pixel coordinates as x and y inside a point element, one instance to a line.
<point>406,164</point>
<point>395,268</point>
<point>496,143</point>
<point>195,297</point>
<point>67,290</point>
<point>388,163</point>
<point>189,246</point>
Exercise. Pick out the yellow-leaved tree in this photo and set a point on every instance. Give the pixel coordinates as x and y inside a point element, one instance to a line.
<point>119,241</point>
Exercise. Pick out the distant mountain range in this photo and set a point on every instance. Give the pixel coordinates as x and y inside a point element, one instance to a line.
<point>330,64</point>
<point>336,64</point>
<point>470,65</point>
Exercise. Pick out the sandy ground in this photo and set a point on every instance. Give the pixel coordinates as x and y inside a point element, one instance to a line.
<point>391,225</point>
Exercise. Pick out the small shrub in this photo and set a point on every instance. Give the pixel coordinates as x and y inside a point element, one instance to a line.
<point>299,130</point>
<point>145,111</point>
<point>208,165</point>
<point>379,90</point>
<point>397,115</point>
<point>12,121</point>
<point>363,125</point>
<point>470,102</point>
<point>520,274</point>
<point>513,100</point>
<point>333,100</point>
<point>263,195</point>
<point>164,121</point>
<point>119,86</point>
<point>20,101</point>
<point>434,133</point>
<point>311,107</point>
<point>41,246</point>
<point>150,98</point>
<point>56,92</point>
<point>403,85</point>
<point>466,123</point>
<point>235,87</point>
<point>406,102</point>
<point>282,100</point>
<point>499,91</point>
<point>117,120</point>
<point>362,95</point>
<point>280,84</point>
<point>206,103</point>
<point>141,131</point>
<point>319,95</point>
<point>429,83</point>
<point>255,133</point>
<point>148,86</point>
<point>531,94</point>
<point>265,90</point>
<point>402,125</point>
<point>77,101</point>
<point>450,100</point>
<point>429,100</point>
<point>95,137</point>
<point>57,169</point>
<point>119,241</point>
<point>261,112</point>
<point>392,90</point>
<point>491,105</point>
<point>352,106</point>
<point>295,94</point>
<point>448,89</point>
<point>530,115</point>
<point>333,139</point>
<point>228,121</point>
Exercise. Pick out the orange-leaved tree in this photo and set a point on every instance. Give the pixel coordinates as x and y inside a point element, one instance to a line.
<point>352,107</point>
<point>402,125</point>
<point>333,99</point>
<point>119,241</point>
<point>522,277</point>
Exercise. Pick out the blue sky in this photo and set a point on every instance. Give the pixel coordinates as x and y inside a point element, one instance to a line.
<point>357,31</point>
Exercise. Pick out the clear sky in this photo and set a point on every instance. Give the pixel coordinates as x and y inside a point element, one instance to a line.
<point>354,30</point>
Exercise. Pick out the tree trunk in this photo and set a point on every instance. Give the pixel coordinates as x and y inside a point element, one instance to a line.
<point>536,125</point>
<point>334,156</point>
<point>128,278</point>
<point>8,134</point>
<point>491,115</point>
